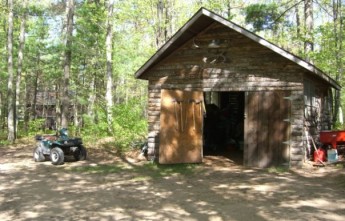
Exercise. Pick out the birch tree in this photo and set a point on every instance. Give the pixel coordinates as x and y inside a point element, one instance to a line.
<point>309,26</point>
<point>10,87</point>
<point>20,61</point>
<point>164,24</point>
<point>109,57</point>
<point>338,28</point>
<point>67,63</point>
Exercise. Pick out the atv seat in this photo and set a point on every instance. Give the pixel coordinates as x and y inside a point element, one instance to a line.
<point>50,137</point>
<point>46,137</point>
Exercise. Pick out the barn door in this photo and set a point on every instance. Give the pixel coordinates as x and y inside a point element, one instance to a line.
<point>181,127</point>
<point>267,129</point>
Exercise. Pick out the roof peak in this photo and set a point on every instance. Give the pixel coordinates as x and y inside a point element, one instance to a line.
<point>201,20</point>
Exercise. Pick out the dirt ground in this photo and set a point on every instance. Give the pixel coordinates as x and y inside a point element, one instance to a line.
<point>107,187</point>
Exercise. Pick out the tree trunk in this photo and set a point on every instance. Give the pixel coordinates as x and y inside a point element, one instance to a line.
<point>159,24</point>
<point>168,21</point>
<point>20,63</point>
<point>10,103</point>
<point>45,106</point>
<point>298,30</point>
<point>309,26</point>
<point>34,103</point>
<point>338,53</point>
<point>91,99</point>
<point>75,114</point>
<point>229,10</point>
<point>1,111</point>
<point>67,64</point>
<point>109,54</point>
<point>298,22</point>
<point>26,110</point>
<point>76,111</point>
<point>58,107</point>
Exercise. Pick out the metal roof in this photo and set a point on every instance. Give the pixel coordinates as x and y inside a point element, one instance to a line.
<point>204,18</point>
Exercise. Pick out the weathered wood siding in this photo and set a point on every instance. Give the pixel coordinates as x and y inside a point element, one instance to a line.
<point>267,128</point>
<point>242,65</point>
<point>317,112</point>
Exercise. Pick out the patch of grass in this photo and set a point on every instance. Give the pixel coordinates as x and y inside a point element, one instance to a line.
<point>277,169</point>
<point>339,166</point>
<point>139,178</point>
<point>149,170</point>
<point>4,143</point>
<point>159,170</point>
<point>103,169</point>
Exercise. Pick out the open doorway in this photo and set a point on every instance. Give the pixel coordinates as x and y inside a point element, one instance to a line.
<point>223,133</point>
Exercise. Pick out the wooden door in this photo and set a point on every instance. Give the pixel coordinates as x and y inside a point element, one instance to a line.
<point>267,129</point>
<point>181,122</point>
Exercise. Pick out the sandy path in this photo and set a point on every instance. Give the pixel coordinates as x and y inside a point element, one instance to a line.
<point>119,190</point>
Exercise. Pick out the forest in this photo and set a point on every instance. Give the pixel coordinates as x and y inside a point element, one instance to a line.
<point>71,63</point>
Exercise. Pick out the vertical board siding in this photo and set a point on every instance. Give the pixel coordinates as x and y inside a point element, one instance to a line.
<point>317,113</point>
<point>266,130</point>
<point>247,67</point>
<point>251,130</point>
<point>181,127</point>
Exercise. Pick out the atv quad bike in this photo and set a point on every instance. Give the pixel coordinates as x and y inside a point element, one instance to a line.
<point>56,147</point>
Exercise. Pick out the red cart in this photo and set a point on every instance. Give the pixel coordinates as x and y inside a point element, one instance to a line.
<point>332,137</point>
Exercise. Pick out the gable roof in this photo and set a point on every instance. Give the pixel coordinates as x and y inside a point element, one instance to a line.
<point>204,18</point>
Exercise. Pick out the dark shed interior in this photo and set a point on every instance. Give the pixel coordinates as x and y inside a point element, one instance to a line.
<point>224,125</point>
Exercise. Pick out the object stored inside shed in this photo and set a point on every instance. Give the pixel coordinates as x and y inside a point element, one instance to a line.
<point>223,132</point>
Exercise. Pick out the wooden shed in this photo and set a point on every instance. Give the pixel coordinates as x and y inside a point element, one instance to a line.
<point>215,86</point>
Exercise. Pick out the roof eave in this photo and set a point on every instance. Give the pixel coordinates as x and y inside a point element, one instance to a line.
<point>186,32</point>
<point>275,48</point>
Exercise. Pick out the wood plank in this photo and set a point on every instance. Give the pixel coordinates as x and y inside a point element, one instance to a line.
<point>286,107</point>
<point>251,154</point>
<point>264,154</point>
<point>181,127</point>
<point>276,133</point>
<point>266,112</point>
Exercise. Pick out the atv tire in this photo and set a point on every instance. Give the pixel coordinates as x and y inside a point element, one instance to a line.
<point>80,153</point>
<point>57,156</point>
<point>38,155</point>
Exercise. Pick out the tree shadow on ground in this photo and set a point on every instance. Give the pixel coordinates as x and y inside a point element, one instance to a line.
<point>113,188</point>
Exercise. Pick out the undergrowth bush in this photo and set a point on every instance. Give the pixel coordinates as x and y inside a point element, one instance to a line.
<point>3,138</point>
<point>129,125</point>
<point>93,130</point>
<point>36,127</point>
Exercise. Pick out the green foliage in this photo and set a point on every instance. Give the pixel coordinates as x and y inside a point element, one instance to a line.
<point>129,123</point>
<point>93,130</point>
<point>36,126</point>
<point>4,142</point>
<point>135,32</point>
<point>338,126</point>
<point>3,137</point>
<point>261,16</point>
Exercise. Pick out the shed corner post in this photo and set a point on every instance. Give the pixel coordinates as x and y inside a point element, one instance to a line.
<point>298,139</point>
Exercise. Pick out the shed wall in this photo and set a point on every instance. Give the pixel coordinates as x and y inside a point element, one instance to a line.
<point>238,64</point>
<point>317,112</point>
